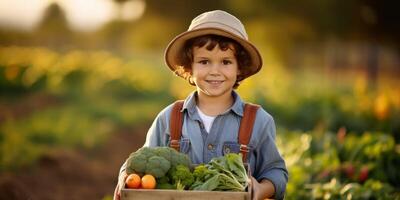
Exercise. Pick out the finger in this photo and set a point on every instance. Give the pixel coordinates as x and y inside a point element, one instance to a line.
<point>117,192</point>
<point>252,180</point>
<point>254,192</point>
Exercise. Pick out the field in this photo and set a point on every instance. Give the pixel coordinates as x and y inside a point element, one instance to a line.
<point>69,119</point>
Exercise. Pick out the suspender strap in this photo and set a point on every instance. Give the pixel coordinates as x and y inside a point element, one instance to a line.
<point>176,123</point>
<point>246,128</point>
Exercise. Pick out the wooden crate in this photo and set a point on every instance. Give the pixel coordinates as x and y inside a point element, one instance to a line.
<point>158,194</point>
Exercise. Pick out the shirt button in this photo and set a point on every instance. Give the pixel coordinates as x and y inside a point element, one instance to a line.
<point>210,146</point>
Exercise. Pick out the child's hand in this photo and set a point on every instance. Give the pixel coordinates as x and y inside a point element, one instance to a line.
<point>263,190</point>
<point>120,185</point>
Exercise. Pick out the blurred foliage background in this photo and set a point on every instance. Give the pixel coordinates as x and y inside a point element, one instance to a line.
<point>73,73</point>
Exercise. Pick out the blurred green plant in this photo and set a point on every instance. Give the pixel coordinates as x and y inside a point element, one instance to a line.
<point>25,140</point>
<point>341,166</point>
<point>97,93</point>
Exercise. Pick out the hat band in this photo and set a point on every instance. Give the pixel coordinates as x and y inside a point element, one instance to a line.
<point>219,25</point>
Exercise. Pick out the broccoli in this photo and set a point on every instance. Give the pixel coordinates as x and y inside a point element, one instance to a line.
<point>165,186</point>
<point>179,159</point>
<point>181,176</point>
<point>157,166</point>
<point>202,173</point>
<point>164,152</point>
<point>172,155</point>
<point>163,183</point>
<point>156,161</point>
<point>136,163</point>
<point>163,179</point>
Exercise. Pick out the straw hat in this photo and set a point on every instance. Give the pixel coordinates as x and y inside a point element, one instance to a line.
<point>215,22</point>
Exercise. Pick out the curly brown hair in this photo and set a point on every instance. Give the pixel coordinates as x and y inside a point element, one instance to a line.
<point>224,43</point>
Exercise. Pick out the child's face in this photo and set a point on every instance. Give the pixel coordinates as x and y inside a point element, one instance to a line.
<point>214,72</point>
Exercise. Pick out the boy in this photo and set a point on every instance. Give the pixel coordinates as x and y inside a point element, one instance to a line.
<point>215,56</point>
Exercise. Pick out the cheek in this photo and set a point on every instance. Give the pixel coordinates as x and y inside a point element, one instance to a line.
<point>232,71</point>
<point>196,70</point>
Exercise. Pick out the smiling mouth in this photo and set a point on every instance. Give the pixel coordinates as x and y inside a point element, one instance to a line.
<point>215,82</point>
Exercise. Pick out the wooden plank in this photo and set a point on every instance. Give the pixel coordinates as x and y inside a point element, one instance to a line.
<point>132,194</point>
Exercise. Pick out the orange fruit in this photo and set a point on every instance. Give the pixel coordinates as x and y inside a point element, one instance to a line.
<point>148,182</point>
<point>133,181</point>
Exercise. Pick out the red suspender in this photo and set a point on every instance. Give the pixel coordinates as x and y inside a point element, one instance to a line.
<point>175,125</point>
<point>246,128</point>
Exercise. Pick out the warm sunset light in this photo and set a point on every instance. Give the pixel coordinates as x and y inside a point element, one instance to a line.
<point>21,14</point>
<point>88,15</point>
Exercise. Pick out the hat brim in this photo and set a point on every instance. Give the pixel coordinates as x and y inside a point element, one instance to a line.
<point>174,48</point>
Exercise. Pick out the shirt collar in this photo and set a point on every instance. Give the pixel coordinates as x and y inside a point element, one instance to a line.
<point>238,104</point>
<point>190,105</point>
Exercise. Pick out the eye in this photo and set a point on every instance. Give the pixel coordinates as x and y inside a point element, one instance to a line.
<point>203,62</point>
<point>226,62</point>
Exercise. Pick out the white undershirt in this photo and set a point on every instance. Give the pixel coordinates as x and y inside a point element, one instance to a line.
<point>207,120</point>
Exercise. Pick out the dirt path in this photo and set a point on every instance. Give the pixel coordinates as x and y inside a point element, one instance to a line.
<point>74,174</point>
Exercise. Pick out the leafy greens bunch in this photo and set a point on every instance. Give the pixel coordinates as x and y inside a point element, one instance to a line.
<point>225,173</point>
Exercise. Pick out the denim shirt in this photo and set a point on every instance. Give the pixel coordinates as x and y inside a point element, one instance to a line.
<point>264,159</point>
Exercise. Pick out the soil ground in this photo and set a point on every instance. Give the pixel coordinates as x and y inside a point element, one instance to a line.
<point>74,174</point>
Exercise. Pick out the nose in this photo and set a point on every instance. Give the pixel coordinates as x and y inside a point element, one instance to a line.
<point>214,69</point>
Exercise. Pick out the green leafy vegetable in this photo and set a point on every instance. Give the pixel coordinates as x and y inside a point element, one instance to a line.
<point>222,173</point>
<point>181,177</point>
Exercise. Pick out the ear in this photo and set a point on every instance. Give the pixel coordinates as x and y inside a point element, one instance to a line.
<point>190,79</point>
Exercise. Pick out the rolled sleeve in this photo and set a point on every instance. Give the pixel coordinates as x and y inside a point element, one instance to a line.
<point>279,181</point>
<point>269,163</point>
<point>156,135</point>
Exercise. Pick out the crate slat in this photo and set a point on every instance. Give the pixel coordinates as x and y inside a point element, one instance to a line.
<point>158,194</point>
